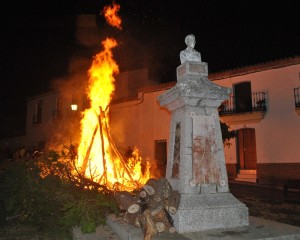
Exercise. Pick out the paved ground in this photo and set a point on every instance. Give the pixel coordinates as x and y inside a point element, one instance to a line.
<point>269,202</point>
<point>263,202</point>
<point>258,229</point>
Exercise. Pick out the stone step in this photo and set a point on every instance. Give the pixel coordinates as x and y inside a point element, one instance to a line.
<point>246,175</point>
<point>247,171</point>
<point>246,180</point>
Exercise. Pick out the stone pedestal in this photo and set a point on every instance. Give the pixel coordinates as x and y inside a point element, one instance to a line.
<point>196,164</point>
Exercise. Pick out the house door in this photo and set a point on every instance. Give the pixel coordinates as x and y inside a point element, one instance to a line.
<point>161,158</point>
<point>242,97</point>
<point>246,145</point>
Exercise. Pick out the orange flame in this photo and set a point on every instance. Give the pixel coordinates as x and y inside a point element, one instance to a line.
<point>98,157</point>
<point>111,17</point>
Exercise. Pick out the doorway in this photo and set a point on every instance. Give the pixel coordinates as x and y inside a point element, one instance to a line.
<point>161,157</point>
<point>246,149</point>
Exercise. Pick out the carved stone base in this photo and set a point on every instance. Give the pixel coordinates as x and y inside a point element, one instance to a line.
<point>211,211</point>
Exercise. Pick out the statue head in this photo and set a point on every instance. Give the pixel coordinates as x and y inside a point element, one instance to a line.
<point>190,54</point>
<point>190,40</point>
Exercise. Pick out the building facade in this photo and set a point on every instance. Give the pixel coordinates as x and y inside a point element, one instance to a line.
<point>263,110</point>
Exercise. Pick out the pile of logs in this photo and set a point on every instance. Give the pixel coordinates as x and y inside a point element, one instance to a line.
<point>151,207</point>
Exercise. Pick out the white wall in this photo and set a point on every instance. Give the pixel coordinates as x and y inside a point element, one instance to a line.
<point>139,123</point>
<point>278,134</point>
<point>142,121</point>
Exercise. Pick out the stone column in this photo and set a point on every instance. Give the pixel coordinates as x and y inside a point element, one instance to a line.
<point>196,164</point>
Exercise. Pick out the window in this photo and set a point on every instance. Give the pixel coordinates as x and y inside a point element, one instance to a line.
<point>297,97</point>
<point>57,111</point>
<point>37,117</point>
<point>242,97</point>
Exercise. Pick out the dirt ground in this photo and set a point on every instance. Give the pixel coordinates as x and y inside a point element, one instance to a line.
<point>263,201</point>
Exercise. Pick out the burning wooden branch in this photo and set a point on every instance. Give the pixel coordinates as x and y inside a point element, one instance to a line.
<point>109,156</point>
<point>151,207</point>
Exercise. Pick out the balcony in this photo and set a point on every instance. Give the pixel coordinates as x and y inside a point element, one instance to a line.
<point>236,113</point>
<point>297,100</point>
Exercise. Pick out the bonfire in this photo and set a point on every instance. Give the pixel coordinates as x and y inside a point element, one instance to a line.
<point>98,156</point>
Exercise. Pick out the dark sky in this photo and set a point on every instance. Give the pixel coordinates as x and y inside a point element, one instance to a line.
<point>37,38</point>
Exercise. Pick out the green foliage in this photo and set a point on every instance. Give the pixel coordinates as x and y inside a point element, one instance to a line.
<point>226,134</point>
<point>47,192</point>
<point>88,209</point>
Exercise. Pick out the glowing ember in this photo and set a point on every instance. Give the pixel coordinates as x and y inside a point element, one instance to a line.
<point>98,157</point>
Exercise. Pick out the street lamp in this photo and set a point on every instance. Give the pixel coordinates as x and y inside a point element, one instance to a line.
<point>74,107</point>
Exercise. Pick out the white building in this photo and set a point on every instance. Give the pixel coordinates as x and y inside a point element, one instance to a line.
<point>264,110</point>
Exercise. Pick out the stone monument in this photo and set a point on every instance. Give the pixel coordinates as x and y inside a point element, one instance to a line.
<point>196,164</point>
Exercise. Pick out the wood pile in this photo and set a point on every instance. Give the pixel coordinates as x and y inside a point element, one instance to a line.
<point>150,208</point>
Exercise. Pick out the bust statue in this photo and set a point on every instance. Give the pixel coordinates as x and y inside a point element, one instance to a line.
<point>190,54</point>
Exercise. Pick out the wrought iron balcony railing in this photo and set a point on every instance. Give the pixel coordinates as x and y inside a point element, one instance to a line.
<point>297,97</point>
<point>258,105</point>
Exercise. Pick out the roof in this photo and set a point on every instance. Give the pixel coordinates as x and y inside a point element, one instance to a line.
<point>280,63</point>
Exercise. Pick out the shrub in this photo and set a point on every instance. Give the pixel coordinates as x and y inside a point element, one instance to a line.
<point>46,191</point>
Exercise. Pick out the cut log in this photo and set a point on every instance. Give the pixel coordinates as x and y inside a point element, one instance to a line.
<point>150,207</point>
<point>149,189</point>
<point>160,226</point>
<point>165,187</point>
<point>134,207</point>
<point>143,205</point>
<point>127,201</point>
<point>155,211</point>
<point>150,186</point>
<point>143,194</point>
<point>173,202</point>
<point>151,182</point>
<point>172,230</point>
<point>153,203</point>
<point>124,199</point>
<point>163,190</point>
<point>133,218</point>
<point>148,225</point>
<point>160,215</point>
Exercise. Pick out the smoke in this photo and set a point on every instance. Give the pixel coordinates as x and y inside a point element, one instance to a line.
<point>87,32</point>
<point>72,87</point>
<point>133,52</point>
<point>136,47</point>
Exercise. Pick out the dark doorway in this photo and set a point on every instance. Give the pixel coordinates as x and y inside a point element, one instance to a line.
<point>246,148</point>
<point>161,157</point>
<point>242,97</point>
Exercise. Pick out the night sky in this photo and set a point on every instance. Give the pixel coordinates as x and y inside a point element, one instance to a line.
<point>37,38</point>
